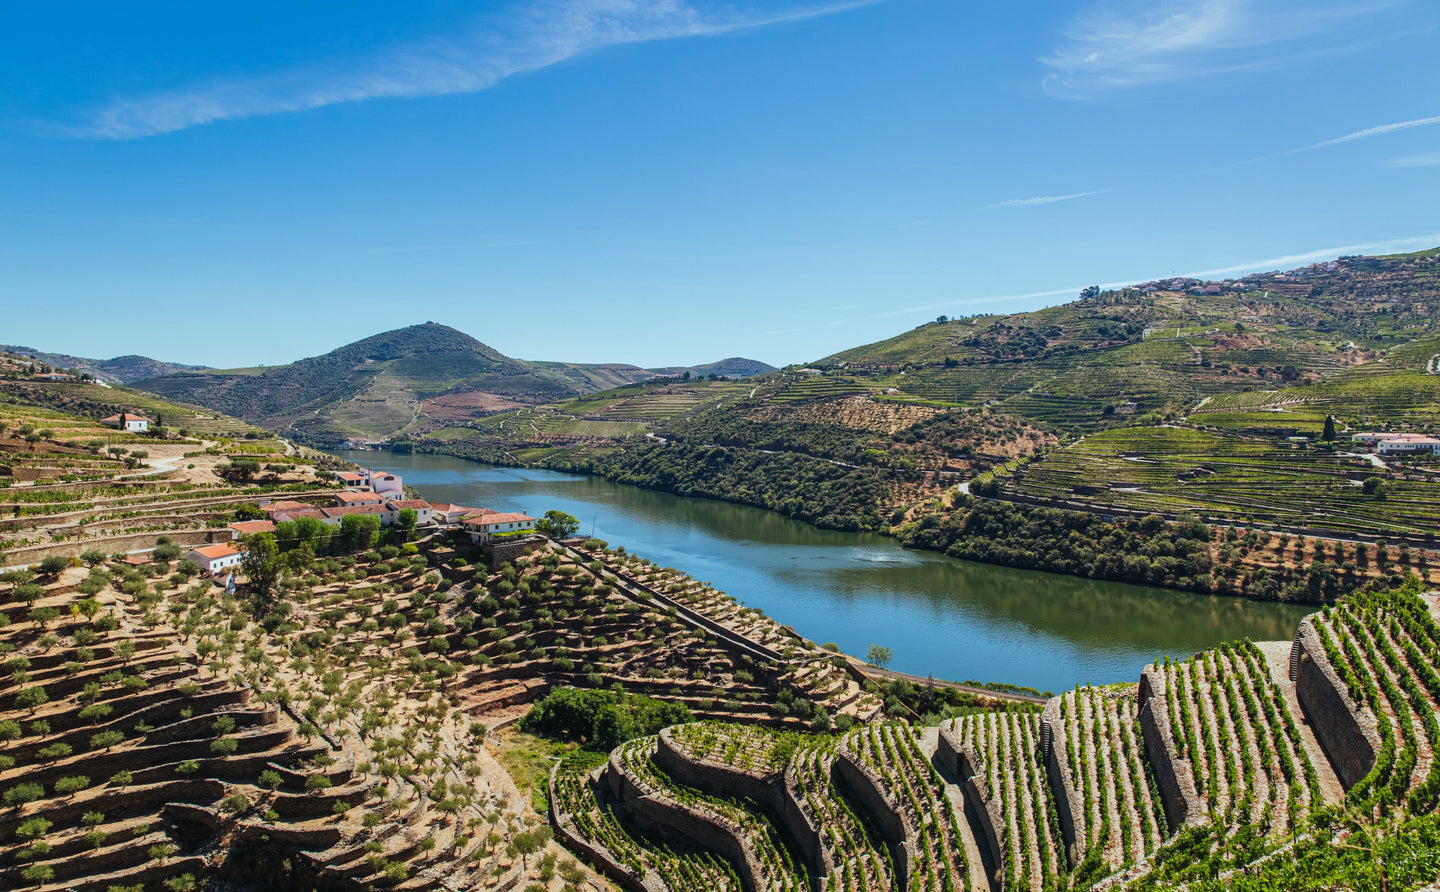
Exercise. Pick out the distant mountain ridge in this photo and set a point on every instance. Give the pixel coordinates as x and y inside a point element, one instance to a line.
<point>119,370</point>
<point>734,367</point>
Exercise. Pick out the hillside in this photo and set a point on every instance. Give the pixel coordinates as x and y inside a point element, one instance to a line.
<point>1173,398</point>
<point>120,370</point>
<point>1165,346</point>
<point>734,367</point>
<point>385,386</point>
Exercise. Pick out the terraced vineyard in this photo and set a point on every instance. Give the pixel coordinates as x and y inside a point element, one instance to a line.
<point>1174,470</point>
<point>1385,651</point>
<point>1007,745</point>
<point>579,814</point>
<point>1243,746</point>
<point>912,790</point>
<point>770,863</point>
<point>1118,818</point>
<point>1205,762</point>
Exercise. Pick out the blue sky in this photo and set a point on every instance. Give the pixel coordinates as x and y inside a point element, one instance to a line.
<point>676,181</point>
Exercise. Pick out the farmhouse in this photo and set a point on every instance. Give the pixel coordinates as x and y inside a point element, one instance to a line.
<point>383,482</point>
<point>284,505</point>
<point>419,506</point>
<point>353,479</point>
<point>352,499</point>
<point>490,524</point>
<point>248,527</point>
<point>214,558</point>
<point>1409,446</point>
<point>135,424</point>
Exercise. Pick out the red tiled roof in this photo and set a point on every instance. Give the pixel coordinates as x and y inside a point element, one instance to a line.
<point>350,498</point>
<point>284,505</point>
<point>492,518</point>
<point>254,526</point>
<point>215,551</point>
<point>298,513</point>
<point>417,504</point>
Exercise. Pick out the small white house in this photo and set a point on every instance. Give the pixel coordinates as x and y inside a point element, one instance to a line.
<point>383,482</point>
<point>1409,446</point>
<point>422,509</point>
<point>214,558</point>
<point>482,528</point>
<point>135,424</point>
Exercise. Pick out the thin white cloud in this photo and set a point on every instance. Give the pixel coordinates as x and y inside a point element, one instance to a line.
<point>1042,199</point>
<point>1141,44</point>
<point>1430,160</point>
<point>1367,133</point>
<point>1290,261</point>
<point>528,39</point>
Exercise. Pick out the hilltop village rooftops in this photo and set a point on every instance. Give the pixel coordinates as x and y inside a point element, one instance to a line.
<point>491,518</point>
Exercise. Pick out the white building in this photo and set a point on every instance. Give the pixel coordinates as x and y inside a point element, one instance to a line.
<point>135,424</point>
<point>1409,446</point>
<point>214,558</point>
<point>383,482</point>
<point>482,528</point>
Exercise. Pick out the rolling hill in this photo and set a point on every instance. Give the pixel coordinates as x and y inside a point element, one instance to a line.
<point>400,384</point>
<point>119,370</point>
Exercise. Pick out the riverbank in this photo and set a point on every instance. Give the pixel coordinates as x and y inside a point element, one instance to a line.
<point>941,616</point>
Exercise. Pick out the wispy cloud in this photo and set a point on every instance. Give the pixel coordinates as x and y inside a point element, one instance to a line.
<point>1430,160</point>
<point>1367,133</point>
<point>1142,44</point>
<point>527,39</point>
<point>1042,199</point>
<point>1290,261</point>
<point>1284,261</point>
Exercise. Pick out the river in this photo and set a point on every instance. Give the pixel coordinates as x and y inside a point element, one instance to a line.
<point>943,617</point>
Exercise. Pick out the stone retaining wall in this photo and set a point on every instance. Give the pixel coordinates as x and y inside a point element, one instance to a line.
<point>1173,774</point>
<point>889,819</point>
<point>1069,807</point>
<point>662,818</point>
<point>961,759</point>
<point>1345,729</point>
<point>34,554</point>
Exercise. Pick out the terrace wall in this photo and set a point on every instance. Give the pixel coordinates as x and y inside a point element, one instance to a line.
<point>1346,730</point>
<point>1173,774</point>
<point>662,818</point>
<point>865,786</point>
<point>959,758</point>
<point>778,793</point>
<point>1068,805</point>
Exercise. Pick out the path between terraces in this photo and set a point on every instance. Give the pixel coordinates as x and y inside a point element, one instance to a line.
<point>982,872</point>
<point>631,588</point>
<point>1277,658</point>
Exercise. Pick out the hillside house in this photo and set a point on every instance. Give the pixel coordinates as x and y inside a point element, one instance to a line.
<point>1410,445</point>
<point>354,499</point>
<point>214,558</point>
<point>486,526</point>
<point>421,508</point>
<point>250,527</point>
<point>125,421</point>
<point>380,481</point>
<point>354,479</point>
<point>283,505</point>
